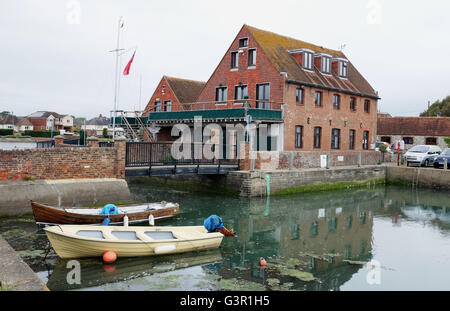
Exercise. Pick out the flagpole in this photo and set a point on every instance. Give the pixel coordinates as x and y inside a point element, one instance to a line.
<point>116,83</point>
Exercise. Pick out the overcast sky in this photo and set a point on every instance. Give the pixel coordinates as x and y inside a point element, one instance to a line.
<point>54,53</point>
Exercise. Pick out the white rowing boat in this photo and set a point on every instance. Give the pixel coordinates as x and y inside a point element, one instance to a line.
<point>75,241</point>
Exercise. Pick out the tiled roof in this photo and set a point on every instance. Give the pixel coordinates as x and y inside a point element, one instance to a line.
<point>414,126</point>
<point>8,119</point>
<point>45,114</point>
<point>98,121</point>
<point>187,91</point>
<point>276,47</point>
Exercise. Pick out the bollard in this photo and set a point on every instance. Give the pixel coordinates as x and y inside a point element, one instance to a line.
<point>445,164</point>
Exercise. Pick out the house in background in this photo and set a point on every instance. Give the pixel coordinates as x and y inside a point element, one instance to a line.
<point>308,97</point>
<point>9,121</point>
<point>172,95</point>
<point>25,125</point>
<point>414,130</point>
<point>43,120</point>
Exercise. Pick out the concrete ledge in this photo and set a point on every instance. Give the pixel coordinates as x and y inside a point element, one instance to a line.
<point>15,274</point>
<point>15,196</point>
<point>420,177</point>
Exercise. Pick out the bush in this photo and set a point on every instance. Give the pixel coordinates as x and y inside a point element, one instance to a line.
<point>45,134</point>
<point>5,132</point>
<point>447,140</point>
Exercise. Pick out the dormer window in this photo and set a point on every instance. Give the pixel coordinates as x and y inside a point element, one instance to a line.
<point>342,69</point>
<point>307,60</point>
<point>326,64</point>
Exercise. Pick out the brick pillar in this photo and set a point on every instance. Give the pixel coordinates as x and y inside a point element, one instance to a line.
<point>120,147</point>
<point>244,163</point>
<point>92,142</point>
<point>59,140</point>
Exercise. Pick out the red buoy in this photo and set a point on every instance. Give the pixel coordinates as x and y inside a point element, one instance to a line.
<point>262,262</point>
<point>109,257</point>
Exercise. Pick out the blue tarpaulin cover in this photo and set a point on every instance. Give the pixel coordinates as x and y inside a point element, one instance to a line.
<point>110,209</point>
<point>212,223</point>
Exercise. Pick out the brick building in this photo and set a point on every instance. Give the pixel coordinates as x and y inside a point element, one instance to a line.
<point>43,120</point>
<point>309,97</point>
<point>414,130</point>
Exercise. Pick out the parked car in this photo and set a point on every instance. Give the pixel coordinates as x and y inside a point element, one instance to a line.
<point>422,155</point>
<point>439,162</point>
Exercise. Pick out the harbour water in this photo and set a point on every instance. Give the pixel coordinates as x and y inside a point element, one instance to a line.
<point>11,145</point>
<point>383,238</point>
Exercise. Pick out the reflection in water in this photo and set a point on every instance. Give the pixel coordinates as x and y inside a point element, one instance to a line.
<point>311,242</point>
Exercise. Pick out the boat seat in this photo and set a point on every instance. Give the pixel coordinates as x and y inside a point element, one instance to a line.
<point>96,234</point>
<point>160,235</point>
<point>125,235</point>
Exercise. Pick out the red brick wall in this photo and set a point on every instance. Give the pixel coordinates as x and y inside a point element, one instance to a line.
<point>38,123</point>
<point>343,119</point>
<point>168,95</point>
<point>62,163</point>
<point>264,72</point>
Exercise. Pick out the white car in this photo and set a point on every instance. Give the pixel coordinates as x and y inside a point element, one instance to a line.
<point>421,154</point>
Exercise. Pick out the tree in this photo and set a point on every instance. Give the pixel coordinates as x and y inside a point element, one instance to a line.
<point>383,150</point>
<point>439,107</point>
<point>105,132</point>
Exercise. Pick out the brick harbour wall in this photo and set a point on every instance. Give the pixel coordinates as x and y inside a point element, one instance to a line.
<point>273,160</point>
<point>253,184</point>
<point>63,163</point>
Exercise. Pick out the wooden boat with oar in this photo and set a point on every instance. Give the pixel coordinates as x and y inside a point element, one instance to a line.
<point>45,215</point>
<point>72,241</point>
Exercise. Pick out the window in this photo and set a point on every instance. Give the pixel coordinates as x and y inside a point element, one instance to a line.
<point>408,140</point>
<point>298,136</point>
<point>158,106</point>
<point>251,57</point>
<point>317,136</point>
<point>221,95</point>
<point>430,141</point>
<point>234,60</point>
<point>343,69</point>
<point>318,99</point>
<point>336,101</point>
<point>243,43</point>
<point>299,96</point>
<point>326,64</point>
<point>168,105</point>
<point>366,140</point>
<point>307,60</point>
<point>263,96</point>
<point>386,139</point>
<point>240,92</point>
<point>352,104</point>
<point>367,106</point>
<point>335,138</point>
<point>351,139</point>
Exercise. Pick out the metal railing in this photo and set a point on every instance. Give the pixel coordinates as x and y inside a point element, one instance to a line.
<point>46,144</point>
<point>227,104</point>
<point>106,144</point>
<point>143,154</point>
<point>71,142</point>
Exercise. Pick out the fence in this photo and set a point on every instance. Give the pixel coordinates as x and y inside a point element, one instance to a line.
<point>153,154</point>
<point>46,144</point>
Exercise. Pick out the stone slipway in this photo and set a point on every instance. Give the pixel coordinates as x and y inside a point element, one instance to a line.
<point>15,196</point>
<point>15,274</point>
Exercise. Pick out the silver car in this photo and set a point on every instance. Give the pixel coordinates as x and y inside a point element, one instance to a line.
<point>422,155</point>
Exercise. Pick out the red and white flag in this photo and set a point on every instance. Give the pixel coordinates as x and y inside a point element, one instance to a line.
<point>126,72</point>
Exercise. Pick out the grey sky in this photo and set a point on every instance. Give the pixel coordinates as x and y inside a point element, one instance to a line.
<point>49,61</point>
